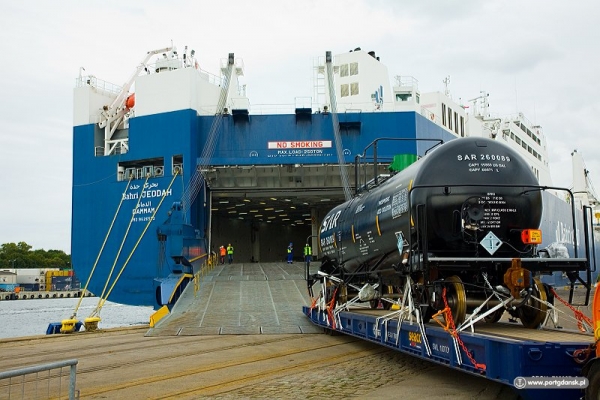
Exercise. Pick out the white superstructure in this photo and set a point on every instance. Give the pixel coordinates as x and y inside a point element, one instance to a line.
<point>167,81</point>
<point>171,82</point>
<point>362,84</point>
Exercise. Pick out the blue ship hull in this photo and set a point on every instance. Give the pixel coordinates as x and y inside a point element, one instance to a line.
<point>133,250</point>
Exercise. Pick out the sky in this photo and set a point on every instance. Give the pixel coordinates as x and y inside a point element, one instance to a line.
<point>538,57</point>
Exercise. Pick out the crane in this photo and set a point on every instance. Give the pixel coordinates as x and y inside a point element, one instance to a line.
<point>112,115</point>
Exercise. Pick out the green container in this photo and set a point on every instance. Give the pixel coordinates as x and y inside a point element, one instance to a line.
<point>402,161</point>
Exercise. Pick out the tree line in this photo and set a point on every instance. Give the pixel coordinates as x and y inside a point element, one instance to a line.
<point>20,255</point>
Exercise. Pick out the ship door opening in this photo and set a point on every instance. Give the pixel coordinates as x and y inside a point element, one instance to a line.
<point>260,210</point>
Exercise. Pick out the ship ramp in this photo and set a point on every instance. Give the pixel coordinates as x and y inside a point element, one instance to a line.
<point>242,298</point>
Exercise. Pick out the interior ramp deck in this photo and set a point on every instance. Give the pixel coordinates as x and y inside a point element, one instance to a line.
<point>242,298</point>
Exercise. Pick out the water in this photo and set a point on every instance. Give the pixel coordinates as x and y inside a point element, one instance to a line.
<point>20,318</point>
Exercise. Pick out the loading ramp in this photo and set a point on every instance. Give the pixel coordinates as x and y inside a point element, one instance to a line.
<point>242,298</point>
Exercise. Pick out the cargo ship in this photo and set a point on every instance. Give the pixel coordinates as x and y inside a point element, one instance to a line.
<point>177,162</point>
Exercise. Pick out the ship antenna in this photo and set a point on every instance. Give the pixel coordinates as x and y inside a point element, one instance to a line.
<point>446,86</point>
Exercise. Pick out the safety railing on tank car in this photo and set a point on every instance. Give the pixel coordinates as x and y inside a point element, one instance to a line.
<point>361,160</point>
<point>578,264</point>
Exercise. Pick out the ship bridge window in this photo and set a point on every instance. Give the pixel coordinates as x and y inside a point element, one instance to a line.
<point>354,89</point>
<point>525,129</point>
<point>353,68</point>
<point>141,169</point>
<point>443,114</point>
<point>403,96</point>
<point>456,123</point>
<point>449,118</point>
<point>343,70</point>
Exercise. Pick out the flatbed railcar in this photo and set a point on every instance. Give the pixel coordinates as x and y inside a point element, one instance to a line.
<point>501,352</point>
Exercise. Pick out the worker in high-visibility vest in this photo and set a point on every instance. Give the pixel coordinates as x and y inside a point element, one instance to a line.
<point>230,253</point>
<point>222,253</point>
<point>307,254</point>
<point>290,253</point>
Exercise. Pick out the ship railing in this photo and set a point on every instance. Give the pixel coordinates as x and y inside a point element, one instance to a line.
<point>269,109</point>
<point>342,108</point>
<point>521,118</point>
<point>99,84</point>
<point>177,63</point>
<point>40,381</point>
<point>406,81</point>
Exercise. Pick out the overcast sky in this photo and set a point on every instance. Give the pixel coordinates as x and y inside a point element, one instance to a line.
<point>538,57</point>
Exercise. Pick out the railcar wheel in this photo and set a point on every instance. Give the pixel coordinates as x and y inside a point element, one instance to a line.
<point>457,299</point>
<point>533,312</point>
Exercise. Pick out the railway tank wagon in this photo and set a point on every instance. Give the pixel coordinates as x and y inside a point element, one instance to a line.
<point>459,225</point>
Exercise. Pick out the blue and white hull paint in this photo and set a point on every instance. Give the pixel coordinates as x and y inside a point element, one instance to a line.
<point>134,158</point>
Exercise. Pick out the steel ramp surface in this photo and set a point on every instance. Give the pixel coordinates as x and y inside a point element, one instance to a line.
<point>242,298</point>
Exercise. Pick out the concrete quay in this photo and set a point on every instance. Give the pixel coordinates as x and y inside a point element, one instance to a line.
<point>127,364</point>
<point>242,334</point>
